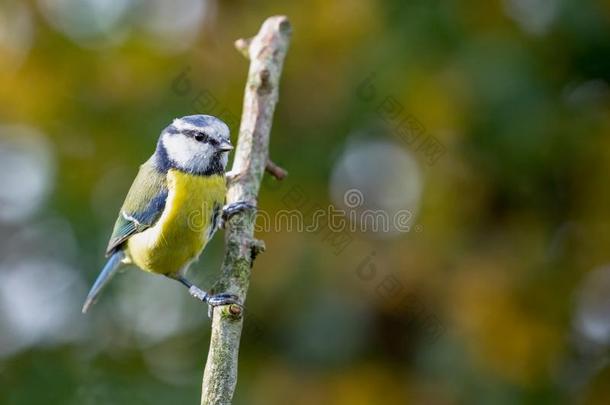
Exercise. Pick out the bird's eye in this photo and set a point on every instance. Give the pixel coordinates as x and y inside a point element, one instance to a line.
<point>200,137</point>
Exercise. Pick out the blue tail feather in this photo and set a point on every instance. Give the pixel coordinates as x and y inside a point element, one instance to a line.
<point>112,266</point>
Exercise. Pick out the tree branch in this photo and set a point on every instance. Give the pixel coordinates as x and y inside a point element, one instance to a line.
<point>276,171</point>
<point>266,52</point>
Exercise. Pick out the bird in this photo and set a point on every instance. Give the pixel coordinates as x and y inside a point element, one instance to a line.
<point>174,206</point>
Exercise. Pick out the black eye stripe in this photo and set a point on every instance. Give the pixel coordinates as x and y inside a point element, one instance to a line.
<point>197,135</point>
<point>200,136</point>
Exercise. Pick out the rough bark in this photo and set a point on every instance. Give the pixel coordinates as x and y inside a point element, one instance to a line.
<point>266,52</point>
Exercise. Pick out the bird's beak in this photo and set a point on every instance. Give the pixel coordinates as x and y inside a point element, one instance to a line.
<point>225,146</point>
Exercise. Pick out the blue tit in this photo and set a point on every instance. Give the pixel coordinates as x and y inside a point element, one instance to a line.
<point>174,206</point>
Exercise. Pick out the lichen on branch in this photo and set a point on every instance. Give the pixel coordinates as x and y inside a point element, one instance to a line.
<point>266,52</point>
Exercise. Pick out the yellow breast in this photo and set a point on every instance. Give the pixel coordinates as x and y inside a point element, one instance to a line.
<point>184,227</point>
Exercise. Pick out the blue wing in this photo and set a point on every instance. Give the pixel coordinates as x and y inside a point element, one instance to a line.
<point>142,208</point>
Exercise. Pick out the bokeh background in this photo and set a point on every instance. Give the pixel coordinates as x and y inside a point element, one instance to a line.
<point>487,121</point>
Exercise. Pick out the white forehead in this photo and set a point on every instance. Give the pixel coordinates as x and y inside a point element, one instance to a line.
<point>212,126</point>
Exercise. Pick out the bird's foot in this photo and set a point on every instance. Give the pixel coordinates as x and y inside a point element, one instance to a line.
<point>231,209</point>
<point>214,300</point>
<point>223,299</point>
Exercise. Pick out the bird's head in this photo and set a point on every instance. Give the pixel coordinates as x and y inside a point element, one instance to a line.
<point>196,144</point>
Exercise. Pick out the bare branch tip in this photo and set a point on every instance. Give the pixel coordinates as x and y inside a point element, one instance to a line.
<point>243,46</point>
<point>276,171</point>
<point>285,27</point>
<point>279,23</point>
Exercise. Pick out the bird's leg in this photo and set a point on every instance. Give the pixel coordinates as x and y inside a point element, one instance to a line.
<point>231,209</point>
<point>212,300</point>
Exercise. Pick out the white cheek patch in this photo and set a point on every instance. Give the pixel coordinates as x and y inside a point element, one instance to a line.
<point>187,153</point>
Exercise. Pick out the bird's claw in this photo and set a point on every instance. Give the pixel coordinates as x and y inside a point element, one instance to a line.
<point>231,209</point>
<point>220,299</point>
<point>213,300</point>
